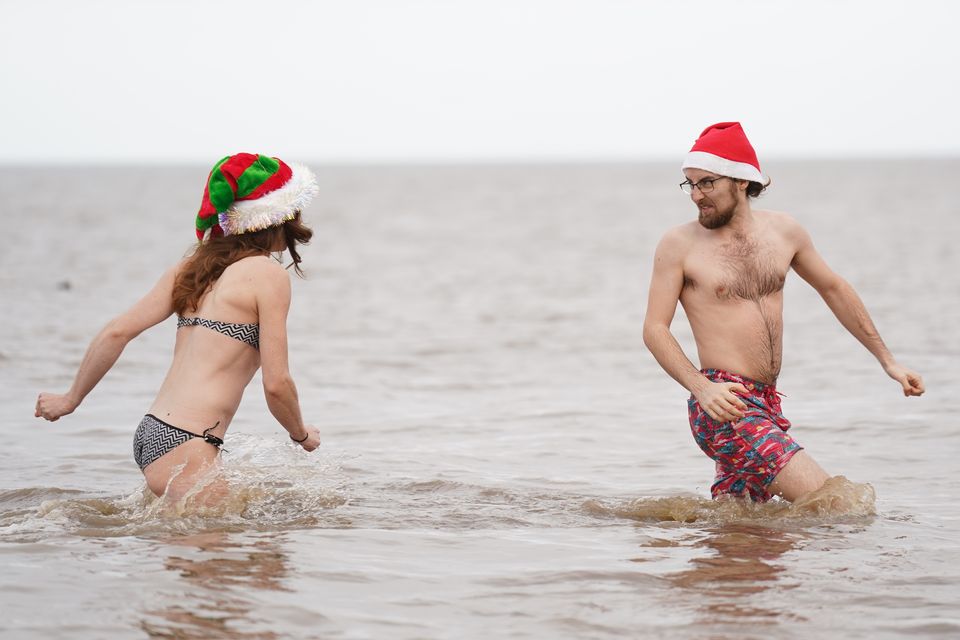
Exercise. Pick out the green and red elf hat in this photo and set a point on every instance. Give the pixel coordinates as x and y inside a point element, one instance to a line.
<point>249,192</point>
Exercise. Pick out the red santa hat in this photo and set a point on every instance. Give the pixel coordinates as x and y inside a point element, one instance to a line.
<point>723,149</point>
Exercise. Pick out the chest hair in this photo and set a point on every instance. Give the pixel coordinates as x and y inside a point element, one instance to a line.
<point>747,270</point>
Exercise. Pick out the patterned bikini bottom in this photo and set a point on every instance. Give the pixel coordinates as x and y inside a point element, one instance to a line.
<point>154,438</point>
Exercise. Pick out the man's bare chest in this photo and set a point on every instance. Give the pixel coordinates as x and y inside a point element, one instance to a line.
<point>739,268</point>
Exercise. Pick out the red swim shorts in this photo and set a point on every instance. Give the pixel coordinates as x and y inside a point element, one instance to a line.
<point>750,452</point>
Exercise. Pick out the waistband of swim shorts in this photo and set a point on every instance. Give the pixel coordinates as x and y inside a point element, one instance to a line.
<point>720,375</point>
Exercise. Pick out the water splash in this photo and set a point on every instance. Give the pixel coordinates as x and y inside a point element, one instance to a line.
<point>838,498</point>
<point>261,485</point>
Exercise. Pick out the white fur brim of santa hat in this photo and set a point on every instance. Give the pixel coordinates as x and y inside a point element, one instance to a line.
<point>248,192</point>
<point>723,149</point>
<point>276,207</point>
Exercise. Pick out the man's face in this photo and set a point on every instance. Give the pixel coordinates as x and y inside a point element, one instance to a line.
<point>717,206</point>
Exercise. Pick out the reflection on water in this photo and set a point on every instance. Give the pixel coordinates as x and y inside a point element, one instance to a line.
<point>741,564</point>
<point>215,570</point>
<point>739,545</point>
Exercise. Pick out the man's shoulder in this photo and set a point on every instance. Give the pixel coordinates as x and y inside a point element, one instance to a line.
<point>675,244</point>
<point>782,222</point>
<point>680,234</point>
<point>780,219</point>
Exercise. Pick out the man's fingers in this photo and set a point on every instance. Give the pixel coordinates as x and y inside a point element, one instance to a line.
<point>722,414</point>
<point>917,383</point>
<point>912,385</point>
<point>734,398</point>
<point>734,406</point>
<point>914,389</point>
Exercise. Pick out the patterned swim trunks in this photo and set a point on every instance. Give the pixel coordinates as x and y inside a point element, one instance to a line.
<point>750,452</point>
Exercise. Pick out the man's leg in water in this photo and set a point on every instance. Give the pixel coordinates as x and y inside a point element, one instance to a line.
<point>799,476</point>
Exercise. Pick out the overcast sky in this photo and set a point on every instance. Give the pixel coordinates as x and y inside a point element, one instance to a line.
<point>431,80</point>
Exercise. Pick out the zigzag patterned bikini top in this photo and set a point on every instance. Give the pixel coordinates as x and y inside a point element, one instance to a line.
<point>249,333</point>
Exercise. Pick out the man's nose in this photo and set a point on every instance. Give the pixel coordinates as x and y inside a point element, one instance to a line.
<point>696,195</point>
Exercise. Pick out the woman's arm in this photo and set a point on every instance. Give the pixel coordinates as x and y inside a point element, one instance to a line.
<point>273,303</point>
<point>106,347</point>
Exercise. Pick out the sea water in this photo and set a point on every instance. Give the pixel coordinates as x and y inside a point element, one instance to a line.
<point>501,456</point>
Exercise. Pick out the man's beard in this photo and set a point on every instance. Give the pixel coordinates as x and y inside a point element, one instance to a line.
<point>717,219</point>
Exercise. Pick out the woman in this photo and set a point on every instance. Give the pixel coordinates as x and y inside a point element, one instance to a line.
<point>231,300</point>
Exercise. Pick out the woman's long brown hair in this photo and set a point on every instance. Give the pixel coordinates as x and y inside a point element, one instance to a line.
<point>211,258</point>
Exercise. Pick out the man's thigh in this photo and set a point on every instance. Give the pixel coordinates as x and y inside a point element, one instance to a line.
<point>799,476</point>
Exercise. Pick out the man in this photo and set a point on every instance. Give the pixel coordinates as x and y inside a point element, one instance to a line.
<point>727,270</point>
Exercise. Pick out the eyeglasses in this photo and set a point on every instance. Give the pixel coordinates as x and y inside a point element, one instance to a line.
<point>705,185</point>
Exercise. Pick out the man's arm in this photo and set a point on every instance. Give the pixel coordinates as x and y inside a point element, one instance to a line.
<point>849,309</point>
<point>106,347</point>
<point>717,399</point>
<point>273,303</point>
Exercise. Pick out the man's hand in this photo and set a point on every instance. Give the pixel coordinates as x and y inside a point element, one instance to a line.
<point>720,400</point>
<point>313,438</point>
<point>910,380</point>
<point>52,406</point>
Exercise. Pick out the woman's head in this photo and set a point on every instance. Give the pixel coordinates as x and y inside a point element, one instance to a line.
<point>251,206</point>
<point>248,192</point>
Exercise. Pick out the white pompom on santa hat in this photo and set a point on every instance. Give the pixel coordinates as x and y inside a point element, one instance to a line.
<point>723,149</point>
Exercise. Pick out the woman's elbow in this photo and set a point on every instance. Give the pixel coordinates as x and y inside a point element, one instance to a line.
<point>119,331</point>
<point>276,386</point>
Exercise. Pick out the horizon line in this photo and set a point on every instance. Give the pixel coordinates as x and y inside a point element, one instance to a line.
<point>398,161</point>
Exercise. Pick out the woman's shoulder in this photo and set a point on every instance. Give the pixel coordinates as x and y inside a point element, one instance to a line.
<point>255,263</point>
<point>257,267</point>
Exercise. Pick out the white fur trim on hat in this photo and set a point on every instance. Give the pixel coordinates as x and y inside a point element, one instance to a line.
<point>723,167</point>
<point>273,208</point>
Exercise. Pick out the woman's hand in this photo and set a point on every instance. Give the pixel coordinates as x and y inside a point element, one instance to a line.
<point>52,406</point>
<point>313,438</point>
